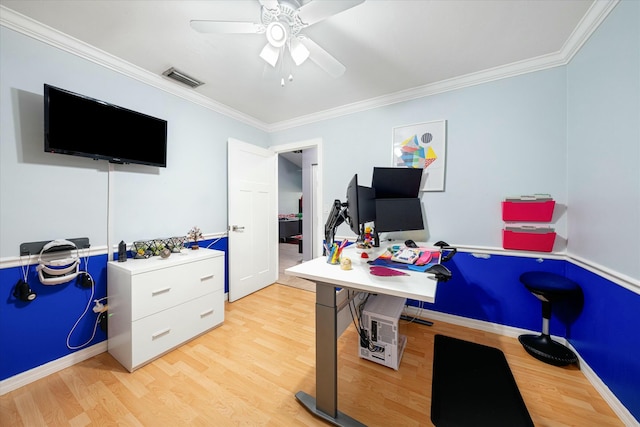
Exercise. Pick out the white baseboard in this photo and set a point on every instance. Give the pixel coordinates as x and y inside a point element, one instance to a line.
<point>623,413</point>
<point>52,367</point>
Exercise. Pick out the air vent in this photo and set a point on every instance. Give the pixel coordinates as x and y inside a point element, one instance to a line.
<point>181,77</point>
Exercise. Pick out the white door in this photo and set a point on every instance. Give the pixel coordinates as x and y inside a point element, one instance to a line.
<point>253,218</point>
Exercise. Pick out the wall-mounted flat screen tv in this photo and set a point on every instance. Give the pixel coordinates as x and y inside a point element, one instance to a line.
<point>81,126</point>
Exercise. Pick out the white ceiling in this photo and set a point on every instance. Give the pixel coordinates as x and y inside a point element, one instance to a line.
<point>392,50</point>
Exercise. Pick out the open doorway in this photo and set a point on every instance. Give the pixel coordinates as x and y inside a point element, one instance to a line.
<point>299,207</point>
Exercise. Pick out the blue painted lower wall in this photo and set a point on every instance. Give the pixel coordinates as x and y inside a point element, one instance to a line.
<point>602,325</point>
<point>488,289</point>
<point>607,335</point>
<point>34,333</point>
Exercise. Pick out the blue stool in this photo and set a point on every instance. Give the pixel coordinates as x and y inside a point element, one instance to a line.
<point>548,287</point>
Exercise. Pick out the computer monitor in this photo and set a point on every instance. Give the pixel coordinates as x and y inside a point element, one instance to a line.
<point>360,205</point>
<point>396,182</point>
<point>398,214</point>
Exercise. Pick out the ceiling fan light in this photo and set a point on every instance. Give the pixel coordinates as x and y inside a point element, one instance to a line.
<point>277,34</point>
<point>299,52</point>
<point>270,54</point>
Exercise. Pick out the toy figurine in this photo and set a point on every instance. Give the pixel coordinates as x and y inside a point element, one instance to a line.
<point>367,235</point>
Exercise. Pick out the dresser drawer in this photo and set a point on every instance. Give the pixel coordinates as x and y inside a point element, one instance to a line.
<point>158,290</point>
<point>156,334</point>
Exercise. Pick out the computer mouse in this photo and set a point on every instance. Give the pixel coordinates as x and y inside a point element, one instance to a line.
<point>410,244</point>
<point>441,272</point>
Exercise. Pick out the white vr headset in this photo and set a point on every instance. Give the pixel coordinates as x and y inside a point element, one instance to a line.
<point>57,271</point>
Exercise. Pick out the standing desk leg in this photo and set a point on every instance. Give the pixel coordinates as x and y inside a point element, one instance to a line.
<point>325,404</point>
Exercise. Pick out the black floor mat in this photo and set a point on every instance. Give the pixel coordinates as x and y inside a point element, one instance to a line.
<point>473,386</point>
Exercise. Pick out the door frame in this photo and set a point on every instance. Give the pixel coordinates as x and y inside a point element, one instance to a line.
<point>318,234</point>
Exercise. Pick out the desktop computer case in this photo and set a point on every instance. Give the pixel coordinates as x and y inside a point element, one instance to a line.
<point>380,321</point>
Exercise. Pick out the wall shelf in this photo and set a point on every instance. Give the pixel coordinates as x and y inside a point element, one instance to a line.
<point>34,248</point>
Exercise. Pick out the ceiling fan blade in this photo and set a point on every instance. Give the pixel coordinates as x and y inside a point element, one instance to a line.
<point>299,52</point>
<point>318,10</point>
<point>269,4</point>
<point>226,27</point>
<point>270,54</point>
<point>321,57</point>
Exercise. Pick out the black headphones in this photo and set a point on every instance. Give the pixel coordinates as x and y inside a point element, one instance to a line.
<point>23,291</point>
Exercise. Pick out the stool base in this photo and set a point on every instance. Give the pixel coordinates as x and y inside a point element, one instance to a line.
<point>543,348</point>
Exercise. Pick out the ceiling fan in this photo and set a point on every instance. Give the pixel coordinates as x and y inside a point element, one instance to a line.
<point>282,22</point>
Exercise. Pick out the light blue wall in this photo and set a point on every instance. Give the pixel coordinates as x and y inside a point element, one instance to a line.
<point>505,137</point>
<point>604,144</point>
<point>62,196</point>
<point>289,186</point>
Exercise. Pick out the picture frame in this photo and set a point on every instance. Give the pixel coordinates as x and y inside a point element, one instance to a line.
<point>422,145</point>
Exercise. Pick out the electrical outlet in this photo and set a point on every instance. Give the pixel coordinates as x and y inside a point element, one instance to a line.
<point>103,321</point>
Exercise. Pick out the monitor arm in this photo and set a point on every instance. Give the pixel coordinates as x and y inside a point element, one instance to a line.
<point>336,217</point>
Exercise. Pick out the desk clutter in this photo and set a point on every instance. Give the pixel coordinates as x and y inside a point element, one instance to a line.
<point>425,259</point>
<point>396,259</point>
<point>528,237</point>
<point>405,257</point>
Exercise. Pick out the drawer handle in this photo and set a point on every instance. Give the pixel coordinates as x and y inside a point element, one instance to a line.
<point>160,333</point>
<point>203,278</point>
<point>160,291</point>
<point>206,313</point>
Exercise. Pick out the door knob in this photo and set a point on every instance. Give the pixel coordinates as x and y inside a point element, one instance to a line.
<point>236,228</point>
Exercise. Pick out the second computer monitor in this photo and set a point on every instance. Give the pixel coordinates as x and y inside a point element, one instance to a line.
<point>396,182</point>
<point>398,214</point>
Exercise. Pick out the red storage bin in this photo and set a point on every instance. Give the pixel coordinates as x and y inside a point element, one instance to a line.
<point>528,210</point>
<point>529,239</point>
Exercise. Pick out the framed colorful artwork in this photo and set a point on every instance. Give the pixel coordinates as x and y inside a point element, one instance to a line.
<point>422,145</point>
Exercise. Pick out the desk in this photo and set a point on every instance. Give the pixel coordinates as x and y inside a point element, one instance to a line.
<point>416,285</point>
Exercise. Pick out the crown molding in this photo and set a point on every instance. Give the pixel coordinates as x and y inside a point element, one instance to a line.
<point>598,11</point>
<point>36,30</point>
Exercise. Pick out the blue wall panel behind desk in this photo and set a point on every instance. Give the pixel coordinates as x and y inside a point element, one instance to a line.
<point>34,333</point>
<point>603,324</point>
<point>607,335</point>
<point>489,289</point>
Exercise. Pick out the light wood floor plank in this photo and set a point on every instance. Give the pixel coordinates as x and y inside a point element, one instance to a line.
<point>247,371</point>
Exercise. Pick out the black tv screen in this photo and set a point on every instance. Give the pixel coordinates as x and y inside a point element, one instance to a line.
<point>81,126</point>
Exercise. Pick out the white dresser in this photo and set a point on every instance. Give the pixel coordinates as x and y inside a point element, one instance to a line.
<point>157,304</point>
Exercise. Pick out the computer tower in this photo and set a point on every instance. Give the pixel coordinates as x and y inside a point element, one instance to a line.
<point>381,342</point>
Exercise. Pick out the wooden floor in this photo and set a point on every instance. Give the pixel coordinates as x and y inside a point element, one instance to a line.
<point>246,373</point>
<point>288,257</point>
